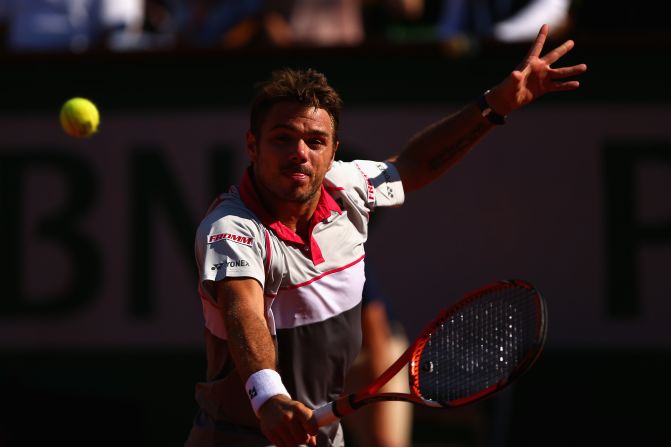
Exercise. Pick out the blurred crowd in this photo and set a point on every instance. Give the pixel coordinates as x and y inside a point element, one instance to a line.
<point>152,25</point>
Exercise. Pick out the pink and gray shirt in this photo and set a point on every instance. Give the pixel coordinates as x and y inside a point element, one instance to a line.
<point>312,288</point>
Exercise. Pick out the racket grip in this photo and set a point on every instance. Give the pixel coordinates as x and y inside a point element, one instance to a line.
<point>324,415</point>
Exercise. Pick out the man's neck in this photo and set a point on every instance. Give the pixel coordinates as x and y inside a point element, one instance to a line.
<point>294,215</point>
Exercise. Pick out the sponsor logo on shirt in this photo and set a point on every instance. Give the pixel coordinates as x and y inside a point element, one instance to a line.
<point>236,263</point>
<point>387,179</point>
<point>244,240</point>
<point>371,189</point>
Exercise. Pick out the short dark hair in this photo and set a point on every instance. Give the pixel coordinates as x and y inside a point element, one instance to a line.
<point>308,87</point>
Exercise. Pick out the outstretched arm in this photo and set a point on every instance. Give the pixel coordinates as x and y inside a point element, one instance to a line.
<point>284,422</point>
<point>439,146</point>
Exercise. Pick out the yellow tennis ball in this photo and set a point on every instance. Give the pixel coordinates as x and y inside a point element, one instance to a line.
<point>79,117</point>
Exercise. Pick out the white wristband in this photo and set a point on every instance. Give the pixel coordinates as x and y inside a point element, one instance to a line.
<point>262,385</point>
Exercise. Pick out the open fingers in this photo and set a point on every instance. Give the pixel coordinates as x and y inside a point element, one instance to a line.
<point>537,46</point>
<point>566,85</point>
<point>554,55</point>
<point>558,74</point>
<point>565,72</point>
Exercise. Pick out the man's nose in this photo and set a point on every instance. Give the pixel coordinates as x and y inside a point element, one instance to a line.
<point>299,151</point>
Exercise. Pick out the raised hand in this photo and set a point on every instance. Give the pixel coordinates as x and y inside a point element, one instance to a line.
<point>534,77</point>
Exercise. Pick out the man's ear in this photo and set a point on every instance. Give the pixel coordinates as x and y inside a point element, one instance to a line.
<point>251,145</point>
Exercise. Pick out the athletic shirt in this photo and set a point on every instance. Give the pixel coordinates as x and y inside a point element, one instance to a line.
<point>312,288</point>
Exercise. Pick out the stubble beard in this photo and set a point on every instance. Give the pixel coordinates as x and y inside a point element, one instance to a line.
<point>297,196</point>
<point>303,197</point>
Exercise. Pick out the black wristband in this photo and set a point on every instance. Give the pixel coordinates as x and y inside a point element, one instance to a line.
<point>487,111</point>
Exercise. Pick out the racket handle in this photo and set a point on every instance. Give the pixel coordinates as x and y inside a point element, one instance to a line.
<point>324,415</point>
<point>332,411</point>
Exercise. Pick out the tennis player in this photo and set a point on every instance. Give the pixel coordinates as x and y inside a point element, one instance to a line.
<point>281,255</point>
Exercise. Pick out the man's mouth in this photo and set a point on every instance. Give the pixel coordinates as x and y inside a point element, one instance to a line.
<point>297,173</point>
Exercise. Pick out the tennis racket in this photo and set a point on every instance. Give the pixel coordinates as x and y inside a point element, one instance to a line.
<point>473,349</point>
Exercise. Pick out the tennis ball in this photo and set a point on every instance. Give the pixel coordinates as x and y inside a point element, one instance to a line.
<point>79,117</point>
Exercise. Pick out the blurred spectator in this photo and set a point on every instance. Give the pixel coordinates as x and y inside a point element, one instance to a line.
<point>217,23</point>
<point>400,21</point>
<point>524,25</point>
<point>346,23</point>
<point>324,23</point>
<point>120,25</point>
<point>317,23</point>
<point>71,25</point>
<point>162,23</point>
<point>461,25</point>
<point>502,20</point>
<point>282,23</point>
<point>465,17</point>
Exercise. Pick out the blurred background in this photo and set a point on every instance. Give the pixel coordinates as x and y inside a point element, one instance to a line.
<point>100,322</point>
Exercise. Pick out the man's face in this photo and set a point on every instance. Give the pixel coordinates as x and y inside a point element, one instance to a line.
<point>292,153</point>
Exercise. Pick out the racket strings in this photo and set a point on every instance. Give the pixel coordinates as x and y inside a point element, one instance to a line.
<point>479,346</point>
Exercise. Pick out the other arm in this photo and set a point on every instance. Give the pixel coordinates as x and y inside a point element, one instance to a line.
<point>441,145</point>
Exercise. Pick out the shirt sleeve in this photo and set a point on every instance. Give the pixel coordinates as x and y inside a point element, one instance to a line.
<point>230,247</point>
<point>383,183</point>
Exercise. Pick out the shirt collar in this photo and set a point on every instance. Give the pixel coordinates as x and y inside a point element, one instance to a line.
<point>325,207</point>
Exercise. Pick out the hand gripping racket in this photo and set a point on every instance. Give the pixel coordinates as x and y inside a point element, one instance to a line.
<point>471,350</point>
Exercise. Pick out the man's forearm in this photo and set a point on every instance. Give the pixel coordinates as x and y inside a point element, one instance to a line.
<point>439,146</point>
<point>249,339</point>
<point>250,343</point>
